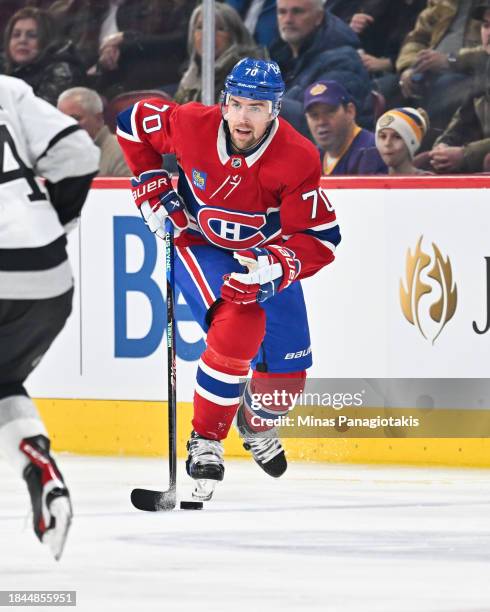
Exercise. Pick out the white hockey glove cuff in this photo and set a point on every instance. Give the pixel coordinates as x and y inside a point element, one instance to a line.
<point>270,270</point>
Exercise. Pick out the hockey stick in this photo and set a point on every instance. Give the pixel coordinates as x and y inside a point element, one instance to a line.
<point>145,499</point>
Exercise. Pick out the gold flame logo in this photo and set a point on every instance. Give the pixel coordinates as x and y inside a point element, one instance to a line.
<point>443,309</point>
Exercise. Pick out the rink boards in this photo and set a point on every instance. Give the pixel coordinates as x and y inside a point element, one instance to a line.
<point>407,297</point>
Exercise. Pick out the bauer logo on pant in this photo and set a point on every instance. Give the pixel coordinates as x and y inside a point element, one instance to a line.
<point>430,317</point>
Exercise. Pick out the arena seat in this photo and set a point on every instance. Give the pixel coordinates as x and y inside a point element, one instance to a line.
<point>379,104</point>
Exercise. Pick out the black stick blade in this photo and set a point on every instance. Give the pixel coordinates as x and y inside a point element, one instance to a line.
<point>153,501</point>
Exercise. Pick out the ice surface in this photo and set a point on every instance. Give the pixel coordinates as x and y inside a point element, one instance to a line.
<point>324,537</point>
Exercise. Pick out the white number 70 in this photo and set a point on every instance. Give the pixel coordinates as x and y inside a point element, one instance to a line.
<point>314,194</point>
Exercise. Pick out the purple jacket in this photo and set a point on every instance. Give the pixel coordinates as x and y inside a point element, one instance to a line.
<point>361,157</point>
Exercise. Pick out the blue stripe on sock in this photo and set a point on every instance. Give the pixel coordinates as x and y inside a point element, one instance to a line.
<point>217,387</point>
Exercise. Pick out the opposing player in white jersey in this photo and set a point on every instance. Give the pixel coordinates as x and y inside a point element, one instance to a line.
<point>36,285</point>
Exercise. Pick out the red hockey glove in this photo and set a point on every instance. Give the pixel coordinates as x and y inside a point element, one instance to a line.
<point>154,196</point>
<point>270,269</point>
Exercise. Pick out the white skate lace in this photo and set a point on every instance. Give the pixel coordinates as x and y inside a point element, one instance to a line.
<point>264,449</point>
<point>207,451</point>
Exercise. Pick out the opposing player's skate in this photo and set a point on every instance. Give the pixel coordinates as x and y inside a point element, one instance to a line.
<point>51,506</point>
<point>205,465</point>
<point>266,448</point>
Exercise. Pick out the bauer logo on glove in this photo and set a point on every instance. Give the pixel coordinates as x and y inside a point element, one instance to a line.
<point>154,196</point>
<point>270,270</point>
<point>144,191</point>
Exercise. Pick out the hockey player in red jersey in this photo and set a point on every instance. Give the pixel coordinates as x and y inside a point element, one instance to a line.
<point>250,221</point>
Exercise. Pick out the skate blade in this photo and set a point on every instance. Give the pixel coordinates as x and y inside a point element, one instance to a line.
<point>55,538</point>
<point>204,489</point>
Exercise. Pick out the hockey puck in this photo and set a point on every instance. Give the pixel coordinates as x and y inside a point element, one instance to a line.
<point>191,505</point>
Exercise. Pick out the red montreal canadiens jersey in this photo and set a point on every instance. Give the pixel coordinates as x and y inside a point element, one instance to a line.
<point>271,196</point>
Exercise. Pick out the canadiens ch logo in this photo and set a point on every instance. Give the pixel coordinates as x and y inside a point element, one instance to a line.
<point>430,319</point>
<point>199,179</point>
<point>232,230</point>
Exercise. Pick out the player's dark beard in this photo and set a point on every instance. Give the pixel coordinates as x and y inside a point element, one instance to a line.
<point>233,150</point>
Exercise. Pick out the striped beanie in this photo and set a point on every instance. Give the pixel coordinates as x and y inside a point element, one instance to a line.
<point>410,123</point>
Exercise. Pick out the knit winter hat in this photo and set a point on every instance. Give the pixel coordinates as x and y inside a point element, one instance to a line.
<point>410,123</point>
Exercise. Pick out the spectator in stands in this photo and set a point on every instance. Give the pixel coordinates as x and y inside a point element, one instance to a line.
<point>34,54</point>
<point>432,63</point>
<point>382,27</point>
<point>9,7</point>
<point>465,143</point>
<point>86,106</point>
<point>316,45</point>
<point>331,116</point>
<point>304,26</point>
<point>232,43</point>
<point>128,44</point>
<point>259,17</point>
<point>399,134</point>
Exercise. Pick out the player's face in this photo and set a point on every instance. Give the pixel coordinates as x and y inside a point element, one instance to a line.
<point>296,19</point>
<point>485,31</point>
<point>392,148</point>
<point>222,39</point>
<point>91,122</point>
<point>248,120</point>
<point>24,42</point>
<point>330,126</point>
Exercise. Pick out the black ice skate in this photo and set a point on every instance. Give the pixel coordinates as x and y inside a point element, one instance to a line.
<point>50,499</point>
<point>204,464</point>
<point>266,448</point>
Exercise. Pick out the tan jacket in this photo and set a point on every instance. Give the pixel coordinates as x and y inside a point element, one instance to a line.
<point>430,27</point>
<point>111,158</point>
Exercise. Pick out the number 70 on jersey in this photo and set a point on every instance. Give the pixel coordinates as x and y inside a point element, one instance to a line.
<point>314,197</point>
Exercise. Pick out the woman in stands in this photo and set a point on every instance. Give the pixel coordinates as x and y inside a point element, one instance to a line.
<point>34,54</point>
<point>232,43</point>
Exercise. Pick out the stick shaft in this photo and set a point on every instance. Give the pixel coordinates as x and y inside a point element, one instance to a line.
<point>171,364</point>
<point>146,499</point>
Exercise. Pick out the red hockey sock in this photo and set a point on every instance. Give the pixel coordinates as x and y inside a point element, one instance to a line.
<point>233,340</point>
<point>270,395</point>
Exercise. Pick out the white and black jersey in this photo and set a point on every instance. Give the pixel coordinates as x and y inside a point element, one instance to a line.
<point>37,140</point>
